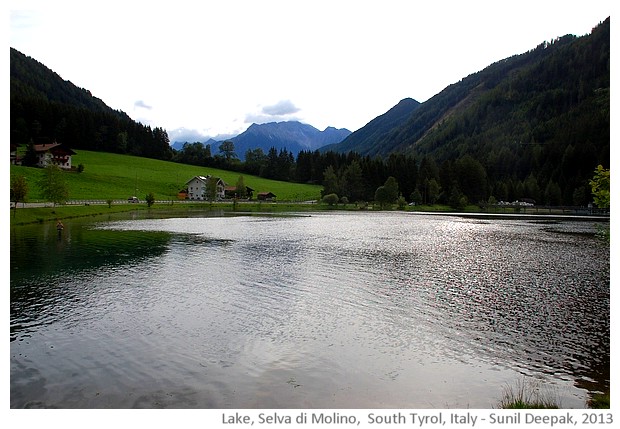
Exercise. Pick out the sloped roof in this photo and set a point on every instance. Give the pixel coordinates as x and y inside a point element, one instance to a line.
<point>204,179</point>
<point>54,148</point>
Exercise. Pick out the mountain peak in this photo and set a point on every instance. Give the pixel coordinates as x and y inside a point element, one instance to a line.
<point>293,136</point>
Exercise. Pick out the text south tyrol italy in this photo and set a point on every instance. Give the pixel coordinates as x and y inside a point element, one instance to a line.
<point>419,419</point>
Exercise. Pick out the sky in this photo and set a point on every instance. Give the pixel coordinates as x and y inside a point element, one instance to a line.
<point>203,69</point>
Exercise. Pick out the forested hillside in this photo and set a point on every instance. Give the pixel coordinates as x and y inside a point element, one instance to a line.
<point>533,125</point>
<point>44,107</point>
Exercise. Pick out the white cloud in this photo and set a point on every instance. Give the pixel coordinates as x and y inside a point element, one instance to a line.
<point>140,104</point>
<point>281,108</point>
<point>186,135</point>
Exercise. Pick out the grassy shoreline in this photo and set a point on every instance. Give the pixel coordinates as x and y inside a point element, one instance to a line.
<point>30,215</point>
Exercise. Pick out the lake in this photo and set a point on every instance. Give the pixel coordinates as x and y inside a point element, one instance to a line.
<point>320,310</point>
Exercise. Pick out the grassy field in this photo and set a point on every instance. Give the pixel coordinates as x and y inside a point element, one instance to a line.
<point>111,176</point>
<point>116,177</point>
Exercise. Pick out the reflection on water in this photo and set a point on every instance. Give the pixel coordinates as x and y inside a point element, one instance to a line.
<point>44,263</point>
<point>383,310</point>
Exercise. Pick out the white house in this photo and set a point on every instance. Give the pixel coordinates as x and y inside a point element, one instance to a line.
<point>198,188</point>
<point>53,154</point>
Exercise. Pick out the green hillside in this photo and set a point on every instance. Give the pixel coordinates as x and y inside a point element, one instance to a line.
<point>113,176</point>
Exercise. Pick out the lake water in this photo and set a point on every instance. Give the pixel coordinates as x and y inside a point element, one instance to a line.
<point>328,310</point>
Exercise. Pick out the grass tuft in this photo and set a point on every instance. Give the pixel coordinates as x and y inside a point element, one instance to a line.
<point>528,394</point>
<point>599,401</point>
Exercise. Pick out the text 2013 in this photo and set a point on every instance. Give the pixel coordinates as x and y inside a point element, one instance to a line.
<point>597,418</point>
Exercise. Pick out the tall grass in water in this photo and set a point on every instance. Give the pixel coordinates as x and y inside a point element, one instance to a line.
<point>529,394</point>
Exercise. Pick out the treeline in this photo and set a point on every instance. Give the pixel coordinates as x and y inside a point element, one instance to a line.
<point>36,120</point>
<point>458,182</point>
<point>275,164</point>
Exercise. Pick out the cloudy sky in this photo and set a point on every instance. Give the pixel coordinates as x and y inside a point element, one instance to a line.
<point>206,68</point>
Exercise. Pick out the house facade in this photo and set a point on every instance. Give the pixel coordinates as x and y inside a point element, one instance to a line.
<point>53,154</point>
<point>199,187</point>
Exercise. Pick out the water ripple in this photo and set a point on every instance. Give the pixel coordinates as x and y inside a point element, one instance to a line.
<point>321,311</point>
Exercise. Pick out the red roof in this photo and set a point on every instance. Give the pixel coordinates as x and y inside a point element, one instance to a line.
<point>54,148</point>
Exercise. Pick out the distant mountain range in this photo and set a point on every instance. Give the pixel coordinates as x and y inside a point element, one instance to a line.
<point>293,136</point>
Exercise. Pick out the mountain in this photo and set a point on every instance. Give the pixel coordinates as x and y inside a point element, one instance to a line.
<point>178,145</point>
<point>536,105</point>
<point>545,106</point>
<point>45,107</point>
<point>364,140</point>
<point>291,135</point>
<point>32,80</point>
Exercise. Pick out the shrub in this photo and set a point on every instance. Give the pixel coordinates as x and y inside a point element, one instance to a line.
<point>331,199</point>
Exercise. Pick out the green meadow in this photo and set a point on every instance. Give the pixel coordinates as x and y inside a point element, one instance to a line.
<point>116,177</point>
<point>112,176</point>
